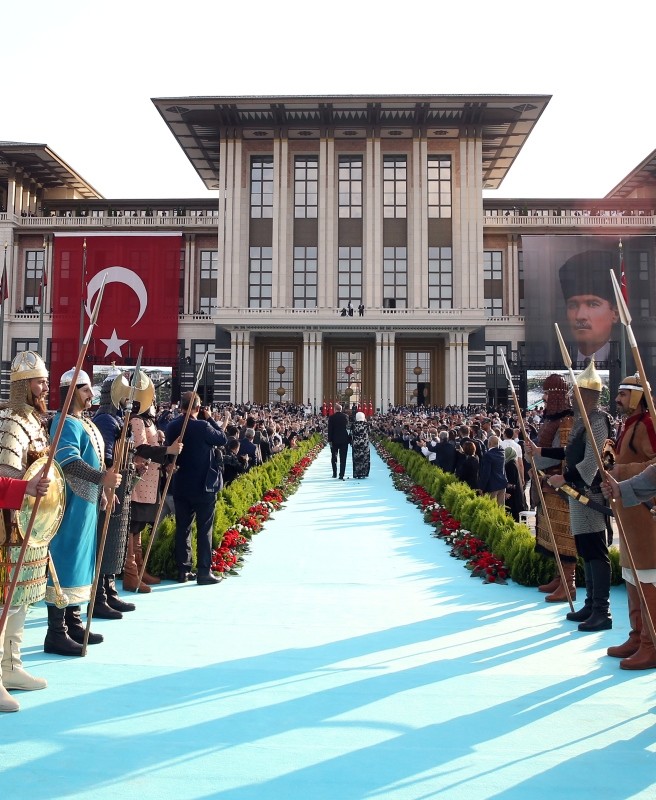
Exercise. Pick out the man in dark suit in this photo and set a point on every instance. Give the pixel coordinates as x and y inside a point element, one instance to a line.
<point>195,485</point>
<point>338,439</point>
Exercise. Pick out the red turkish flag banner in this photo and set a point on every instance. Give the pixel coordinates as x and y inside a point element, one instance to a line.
<point>139,305</point>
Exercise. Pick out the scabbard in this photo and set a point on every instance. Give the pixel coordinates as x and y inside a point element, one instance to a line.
<point>569,491</point>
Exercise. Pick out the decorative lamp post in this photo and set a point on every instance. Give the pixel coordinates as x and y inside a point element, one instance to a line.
<point>280,391</point>
<point>417,370</point>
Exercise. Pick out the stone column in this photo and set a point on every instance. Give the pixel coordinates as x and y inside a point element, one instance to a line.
<point>241,383</point>
<point>456,389</point>
<point>313,367</point>
<point>385,361</point>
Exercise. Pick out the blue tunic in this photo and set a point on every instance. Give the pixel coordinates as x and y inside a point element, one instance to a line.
<point>73,549</point>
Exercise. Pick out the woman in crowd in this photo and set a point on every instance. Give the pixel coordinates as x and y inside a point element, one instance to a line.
<point>467,465</point>
<point>515,500</point>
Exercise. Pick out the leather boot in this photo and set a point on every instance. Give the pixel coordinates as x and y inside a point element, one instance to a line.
<point>551,586</point>
<point>585,612</point>
<point>7,702</point>
<point>645,656</point>
<point>57,639</point>
<point>149,580</point>
<point>559,595</point>
<point>113,600</point>
<point>632,644</point>
<point>75,627</point>
<point>600,619</point>
<point>13,674</point>
<point>101,609</point>
<point>130,572</point>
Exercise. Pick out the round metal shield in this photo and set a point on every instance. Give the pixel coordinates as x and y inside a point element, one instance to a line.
<point>51,508</point>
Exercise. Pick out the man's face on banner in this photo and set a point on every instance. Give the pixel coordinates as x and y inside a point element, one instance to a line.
<point>591,319</point>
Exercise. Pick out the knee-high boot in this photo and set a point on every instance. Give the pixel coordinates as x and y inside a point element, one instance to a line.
<point>113,600</point>
<point>632,644</point>
<point>76,628</point>
<point>7,702</point>
<point>645,656</point>
<point>149,580</point>
<point>586,610</point>
<point>101,608</point>
<point>130,571</point>
<point>559,595</point>
<point>553,584</point>
<point>600,619</point>
<point>57,639</point>
<point>13,674</point>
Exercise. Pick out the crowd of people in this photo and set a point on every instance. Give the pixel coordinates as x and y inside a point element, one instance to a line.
<point>548,461</point>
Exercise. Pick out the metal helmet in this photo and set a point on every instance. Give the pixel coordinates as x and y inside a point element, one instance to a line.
<point>633,385</point>
<point>82,378</point>
<point>590,378</point>
<point>27,365</point>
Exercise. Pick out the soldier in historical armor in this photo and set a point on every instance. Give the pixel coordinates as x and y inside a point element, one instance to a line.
<point>554,432</point>
<point>587,523</point>
<point>150,456</point>
<point>109,421</point>
<point>635,450</point>
<point>80,456</point>
<point>23,439</point>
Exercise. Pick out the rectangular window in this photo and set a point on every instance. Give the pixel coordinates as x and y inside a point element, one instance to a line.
<point>395,187</point>
<point>493,307</point>
<point>208,281</point>
<point>34,263</point>
<point>350,187</point>
<point>395,277</point>
<point>260,277</point>
<point>493,282</point>
<point>261,187</point>
<point>439,187</point>
<point>280,376</point>
<point>306,187</point>
<point>440,277</point>
<point>305,277</point>
<point>349,276</point>
<point>492,264</point>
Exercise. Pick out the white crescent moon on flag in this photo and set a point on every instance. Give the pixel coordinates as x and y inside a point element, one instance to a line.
<point>118,275</point>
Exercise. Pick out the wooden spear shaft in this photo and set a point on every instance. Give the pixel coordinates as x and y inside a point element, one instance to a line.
<point>170,471</point>
<point>538,484</point>
<point>602,473</point>
<point>51,456</point>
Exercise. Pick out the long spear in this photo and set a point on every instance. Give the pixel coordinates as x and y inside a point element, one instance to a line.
<point>51,455</point>
<point>170,471</point>
<point>625,318</point>
<point>116,468</point>
<point>538,483</point>
<point>602,473</point>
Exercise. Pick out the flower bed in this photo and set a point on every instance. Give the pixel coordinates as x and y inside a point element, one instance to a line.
<point>456,511</point>
<point>241,510</point>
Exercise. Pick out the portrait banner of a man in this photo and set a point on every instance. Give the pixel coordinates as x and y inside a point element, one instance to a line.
<point>567,280</point>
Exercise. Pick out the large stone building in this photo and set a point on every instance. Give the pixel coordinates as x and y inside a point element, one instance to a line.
<point>350,251</point>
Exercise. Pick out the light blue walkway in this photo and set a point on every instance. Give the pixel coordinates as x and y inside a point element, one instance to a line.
<point>352,658</point>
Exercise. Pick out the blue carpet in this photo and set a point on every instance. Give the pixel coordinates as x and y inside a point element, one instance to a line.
<point>352,658</point>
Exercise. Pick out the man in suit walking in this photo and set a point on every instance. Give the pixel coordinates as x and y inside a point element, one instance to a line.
<point>195,485</point>
<point>338,439</point>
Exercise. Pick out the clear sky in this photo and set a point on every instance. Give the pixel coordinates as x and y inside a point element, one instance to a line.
<point>78,75</point>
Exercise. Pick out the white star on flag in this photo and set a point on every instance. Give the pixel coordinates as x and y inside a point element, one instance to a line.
<point>114,344</point>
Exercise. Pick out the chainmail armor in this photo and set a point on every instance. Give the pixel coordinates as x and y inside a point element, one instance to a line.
<point>83,480</point>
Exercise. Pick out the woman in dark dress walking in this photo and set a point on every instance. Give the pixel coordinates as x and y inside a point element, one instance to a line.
<point>360,446</point>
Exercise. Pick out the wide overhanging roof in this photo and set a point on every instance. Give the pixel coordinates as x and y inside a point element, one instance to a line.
<point>44,166</point>
<point>504,122</point>
<point>643,176</point>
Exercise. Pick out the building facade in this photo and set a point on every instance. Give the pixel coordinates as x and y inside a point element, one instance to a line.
<point>349,254</point>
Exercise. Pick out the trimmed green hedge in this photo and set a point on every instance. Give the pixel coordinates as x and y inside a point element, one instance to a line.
<point>508,540</point>
<point>231,504</point>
